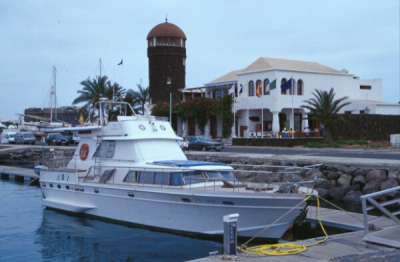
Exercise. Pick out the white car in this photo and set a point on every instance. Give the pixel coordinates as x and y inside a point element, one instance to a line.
<point>184,144</point>
<point>8,137</point>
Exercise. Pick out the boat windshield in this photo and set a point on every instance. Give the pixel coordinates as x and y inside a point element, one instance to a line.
<point>178,178</point>
<point>207,176</point>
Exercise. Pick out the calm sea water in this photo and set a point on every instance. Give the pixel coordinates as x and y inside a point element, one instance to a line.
<point>28,232</point>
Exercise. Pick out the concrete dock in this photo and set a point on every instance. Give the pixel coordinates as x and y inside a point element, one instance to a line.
<point>341,247</point>
<point>18,173</point>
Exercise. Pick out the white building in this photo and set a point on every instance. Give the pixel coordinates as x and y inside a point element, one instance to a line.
<point>269,94</point>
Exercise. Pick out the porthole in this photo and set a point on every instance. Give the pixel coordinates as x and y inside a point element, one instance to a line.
<point>162,128</point>
<point>131,195</point>
<point>96,191</point>
<point>142,127</point>
<point>227,203</point>
<point>67,187</point>
<point>43,185</point>
<point>59,186</point>
<point>51,185</point>
<point>186,200</point>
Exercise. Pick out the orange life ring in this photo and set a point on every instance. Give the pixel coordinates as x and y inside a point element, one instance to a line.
<point>84,152</point>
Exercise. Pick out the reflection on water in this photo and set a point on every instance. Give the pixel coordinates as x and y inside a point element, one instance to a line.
<point>30,233</point>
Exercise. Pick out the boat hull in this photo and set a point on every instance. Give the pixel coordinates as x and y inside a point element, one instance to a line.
<point>190,213</point>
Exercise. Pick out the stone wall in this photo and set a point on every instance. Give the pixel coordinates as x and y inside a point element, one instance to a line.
<point>347,184</point>
<point>337,182</point>
<point>31,156</point>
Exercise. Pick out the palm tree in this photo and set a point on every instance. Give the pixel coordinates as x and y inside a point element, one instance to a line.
<point>140,96</point>
<point>115,92</point>
<point>94,89</point>
<point>323,107</point>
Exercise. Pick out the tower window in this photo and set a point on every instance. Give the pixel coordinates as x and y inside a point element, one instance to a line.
<point>365,87</point>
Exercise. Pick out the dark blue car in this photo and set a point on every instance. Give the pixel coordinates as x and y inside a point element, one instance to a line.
<point>57,139</point>
<point>204,143</point>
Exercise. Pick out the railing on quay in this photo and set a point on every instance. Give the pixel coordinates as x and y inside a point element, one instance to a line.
<point>390,208</point>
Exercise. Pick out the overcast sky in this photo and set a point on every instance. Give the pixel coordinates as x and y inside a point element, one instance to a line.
<point>361,36</point>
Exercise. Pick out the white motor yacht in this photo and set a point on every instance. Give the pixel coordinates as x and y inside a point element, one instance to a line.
<point>133,170</point>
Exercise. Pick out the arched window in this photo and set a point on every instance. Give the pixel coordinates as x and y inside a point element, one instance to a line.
<point>300,87</point>
<point>283,86</point>
<point>251,88</point>
<point>259,89</point>
<point>266,86</point>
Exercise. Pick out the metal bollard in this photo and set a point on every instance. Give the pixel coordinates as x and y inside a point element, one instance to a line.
<point>230,234</point>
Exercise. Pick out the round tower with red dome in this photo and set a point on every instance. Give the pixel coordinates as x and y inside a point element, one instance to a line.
<point>167,61</point>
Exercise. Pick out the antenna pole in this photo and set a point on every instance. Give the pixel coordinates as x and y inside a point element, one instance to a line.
<point>100,65</point>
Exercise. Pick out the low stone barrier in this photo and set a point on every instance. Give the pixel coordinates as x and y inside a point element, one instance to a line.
<point>337,182</point>
<point>31,156</point>
<point>286,142</point>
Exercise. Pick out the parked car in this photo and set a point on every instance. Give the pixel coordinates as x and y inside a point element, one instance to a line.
<point>8,137</point>
<point>204,143</point>
<point>25,138</point>
<point>76,139</point>
<point>58,139</point>
<point>184,144</point>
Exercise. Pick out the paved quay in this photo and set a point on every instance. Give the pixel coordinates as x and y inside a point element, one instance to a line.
<point>346,247</point>
<point>341,247</point>
<point>370,153</point>
<point>18,172</point>
<point>339,159</point>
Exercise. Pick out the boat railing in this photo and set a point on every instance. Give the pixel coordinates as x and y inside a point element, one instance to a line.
<point>57,162</point>
<point>117,175</point>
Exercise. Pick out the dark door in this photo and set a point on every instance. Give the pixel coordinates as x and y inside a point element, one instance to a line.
<point>191,126</point>
<point>242,129</point>
<point>213,126</point>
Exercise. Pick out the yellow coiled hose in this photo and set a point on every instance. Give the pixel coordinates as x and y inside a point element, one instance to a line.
<point>284,249</point>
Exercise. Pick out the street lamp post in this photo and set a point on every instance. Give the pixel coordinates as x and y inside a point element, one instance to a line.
<point>169,83</point>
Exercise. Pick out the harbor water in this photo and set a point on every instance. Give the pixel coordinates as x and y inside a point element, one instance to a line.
<point>28,232</point>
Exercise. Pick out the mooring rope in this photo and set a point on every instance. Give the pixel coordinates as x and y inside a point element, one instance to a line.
<point>284,249</point>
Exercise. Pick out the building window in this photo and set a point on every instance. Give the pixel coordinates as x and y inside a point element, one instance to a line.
<point>266,86</point>
<point>251,88</point>
<point>300,87</point>
<point>259,89</point>
<point>365,87</point>
<point>284,86</point>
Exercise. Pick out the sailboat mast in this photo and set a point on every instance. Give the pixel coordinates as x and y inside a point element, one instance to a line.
<point>53,96</point>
